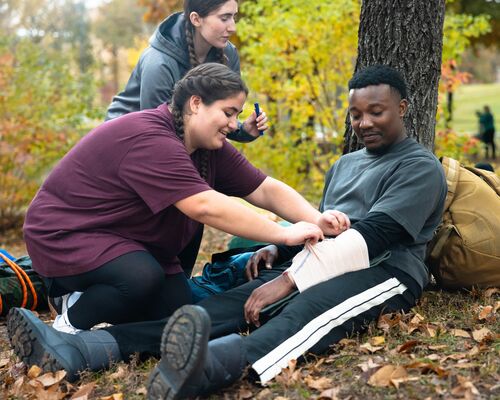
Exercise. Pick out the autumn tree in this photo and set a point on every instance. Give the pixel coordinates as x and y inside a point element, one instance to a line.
<point>120,22</point>
<point>297,56</point>
<point>62,25</point>
<point>409,36</point>
<point>157,10</point>
<point>43,111</point>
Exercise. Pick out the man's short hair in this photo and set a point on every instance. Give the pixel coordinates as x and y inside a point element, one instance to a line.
<point>378,75</point>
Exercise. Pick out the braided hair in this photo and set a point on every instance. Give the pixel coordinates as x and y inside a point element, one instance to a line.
<point>211,82</point>
<point>202,8</point>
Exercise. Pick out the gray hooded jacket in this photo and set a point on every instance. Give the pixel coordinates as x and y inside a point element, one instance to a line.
<point>160,66</point>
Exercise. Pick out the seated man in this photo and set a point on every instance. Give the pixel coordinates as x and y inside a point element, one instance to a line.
<point>393,192</point>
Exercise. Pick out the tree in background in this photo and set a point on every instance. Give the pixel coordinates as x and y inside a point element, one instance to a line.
<point>118,25</point>
<point>157,10</point>
<point>297,56</point>
<point>60,24</point>
<point>407,35</point>
<point>459,32</point>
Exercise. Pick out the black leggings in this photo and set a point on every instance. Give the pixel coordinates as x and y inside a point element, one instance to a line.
<point>129,288</point>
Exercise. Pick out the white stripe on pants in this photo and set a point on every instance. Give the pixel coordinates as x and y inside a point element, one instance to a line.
<point>272,363</point>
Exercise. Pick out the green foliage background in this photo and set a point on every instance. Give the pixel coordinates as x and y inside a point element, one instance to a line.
<point>298,56</point>
<point>45,106</point>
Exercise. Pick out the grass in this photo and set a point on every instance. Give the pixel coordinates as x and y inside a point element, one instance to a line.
<point>470,98</point>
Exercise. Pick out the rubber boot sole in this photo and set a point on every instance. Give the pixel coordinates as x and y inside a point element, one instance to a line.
<point>183,348</point>
<point>25,331</point>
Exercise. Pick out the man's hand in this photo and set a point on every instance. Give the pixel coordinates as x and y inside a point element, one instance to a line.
<point>266,294</point>
<point>262,258</point>
<point>254,124</point>
<point>333,222</point>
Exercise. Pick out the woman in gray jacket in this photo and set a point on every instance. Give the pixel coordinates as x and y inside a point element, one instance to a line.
<point>181,42</point>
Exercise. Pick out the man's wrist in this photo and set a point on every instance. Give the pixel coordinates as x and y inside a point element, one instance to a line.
<point>289,279</point>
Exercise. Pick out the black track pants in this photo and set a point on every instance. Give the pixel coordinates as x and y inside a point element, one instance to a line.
<point>314,319</point>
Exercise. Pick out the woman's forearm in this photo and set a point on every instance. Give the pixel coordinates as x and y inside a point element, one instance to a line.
<point>281,199</point>
<point>222,212</point>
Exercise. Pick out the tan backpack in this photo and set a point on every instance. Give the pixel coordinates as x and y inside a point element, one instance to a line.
<point>465,250</point>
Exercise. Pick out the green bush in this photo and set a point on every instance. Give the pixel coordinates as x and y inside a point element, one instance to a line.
<point>45,104</point>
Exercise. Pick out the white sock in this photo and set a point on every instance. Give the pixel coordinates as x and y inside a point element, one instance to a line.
<point>62,324</point>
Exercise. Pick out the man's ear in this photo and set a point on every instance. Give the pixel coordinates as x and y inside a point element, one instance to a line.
<point>194,104</point>
<point>195,19</point>
<point>403,107</point>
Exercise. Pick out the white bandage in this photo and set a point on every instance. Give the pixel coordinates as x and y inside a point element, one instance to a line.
<point>330,258</point>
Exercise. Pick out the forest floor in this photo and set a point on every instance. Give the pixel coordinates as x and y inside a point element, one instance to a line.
<point>447,347</point>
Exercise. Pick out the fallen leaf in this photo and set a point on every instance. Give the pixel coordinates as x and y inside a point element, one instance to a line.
<point>433,357</point>
<point>397,381</point>
<point>319,384</point>
<point>34,372</point>
<point>383,376</point>
<point>83,392</point>
<point>427,367</point>
<point>51,378</point>
<point>377,340</point>
<point>482,335</point>
<point>368,348</point>
<point>485,313</point>
<point>460,333</point>
<point>347,342</point>
<point>387,321</point>
<point>4,362</point>
<point>407,346</point>
<point>430,330</point>
<point>366,366</point>
<point>437,347</point>
<point>474,351</point>
<point>414,323</point>
<point>114,396</point>
<point>496,307</point>
<point>455,356</point>
<point>417,319</point>
<point>329,394</point>
<point>142,390</point>
<point>281,398</point>
<point>465,388</point>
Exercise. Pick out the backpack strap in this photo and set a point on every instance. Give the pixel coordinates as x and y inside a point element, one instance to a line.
<point>451,171</point>
<point>489,177</point>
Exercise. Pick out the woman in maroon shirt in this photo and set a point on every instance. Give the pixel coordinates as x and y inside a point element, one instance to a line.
<point>113,215</point>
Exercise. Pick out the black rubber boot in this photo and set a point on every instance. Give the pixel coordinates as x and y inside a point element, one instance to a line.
<point>190,365</point>
<point>39,344</point>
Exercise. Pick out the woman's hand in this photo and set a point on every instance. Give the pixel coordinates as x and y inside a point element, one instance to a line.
<point>301,232</point>
<point>266,294</point>
<point>262,258</point>
<point>254,124</point>
<point>333,222</point>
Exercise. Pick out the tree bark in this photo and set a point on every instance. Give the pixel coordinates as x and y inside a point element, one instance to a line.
<point>407,35</point>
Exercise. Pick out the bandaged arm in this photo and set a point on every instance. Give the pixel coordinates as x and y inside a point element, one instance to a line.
<point>350,251</point>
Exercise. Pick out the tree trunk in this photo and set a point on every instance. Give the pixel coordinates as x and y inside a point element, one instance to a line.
<point>407,35</point>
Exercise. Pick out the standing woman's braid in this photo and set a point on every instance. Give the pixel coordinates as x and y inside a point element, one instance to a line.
<point>211,82</point>
<point>202,8</point>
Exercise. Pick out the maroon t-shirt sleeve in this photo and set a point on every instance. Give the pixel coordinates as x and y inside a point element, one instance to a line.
<point>235,176</point>
<point>159,170</point>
